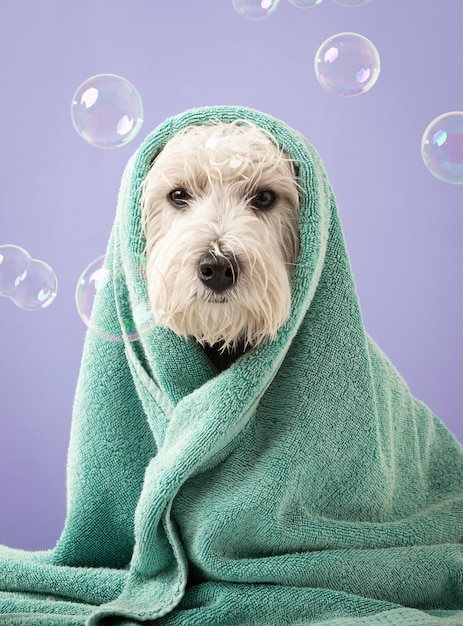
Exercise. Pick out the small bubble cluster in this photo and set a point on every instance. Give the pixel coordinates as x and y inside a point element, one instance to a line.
<point>30,283</point>
<point>260,9</point>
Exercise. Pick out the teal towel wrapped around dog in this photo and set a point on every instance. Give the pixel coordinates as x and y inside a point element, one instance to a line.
<point>303,485</point>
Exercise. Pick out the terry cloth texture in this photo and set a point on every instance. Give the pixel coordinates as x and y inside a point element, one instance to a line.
<point>304,485</point>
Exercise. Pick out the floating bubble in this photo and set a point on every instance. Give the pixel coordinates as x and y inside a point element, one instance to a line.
<point>107,111</point>
<point>37,287</point>
<point>97,282</point>
<point>223,158</point>
<point>255,9</point>
<point>305,4</point>
<point>442,147</point>
<point>14,262</point>
<point>351,3</point>
<point>347,64</point>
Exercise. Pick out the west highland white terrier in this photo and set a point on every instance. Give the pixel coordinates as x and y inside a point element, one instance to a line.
<point>220,211</point>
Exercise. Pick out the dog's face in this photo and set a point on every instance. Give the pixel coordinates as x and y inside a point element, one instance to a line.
<point>220,213</point>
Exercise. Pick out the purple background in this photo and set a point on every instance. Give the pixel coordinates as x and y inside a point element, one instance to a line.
<point>404,228</point>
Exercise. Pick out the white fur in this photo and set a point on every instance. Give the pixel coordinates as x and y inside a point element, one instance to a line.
<point>222,166</point>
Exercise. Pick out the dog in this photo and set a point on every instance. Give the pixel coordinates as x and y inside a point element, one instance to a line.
<point>220,210</point>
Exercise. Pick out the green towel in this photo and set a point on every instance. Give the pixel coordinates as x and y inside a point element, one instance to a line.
<point>303,485</point>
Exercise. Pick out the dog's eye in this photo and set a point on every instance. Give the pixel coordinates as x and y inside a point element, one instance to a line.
<point>263,200</point>
<point>179,198</point>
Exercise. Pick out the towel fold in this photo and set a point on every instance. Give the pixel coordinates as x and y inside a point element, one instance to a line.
<point>303,485</point>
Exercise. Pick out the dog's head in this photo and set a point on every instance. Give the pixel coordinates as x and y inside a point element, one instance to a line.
<point>220,213</point>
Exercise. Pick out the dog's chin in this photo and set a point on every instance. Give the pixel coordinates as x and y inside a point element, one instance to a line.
<point>217,298</point>
<point>211,321</point>
<point>223,322</point>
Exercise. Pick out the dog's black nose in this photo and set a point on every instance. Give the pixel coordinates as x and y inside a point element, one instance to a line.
<point>217,272</point>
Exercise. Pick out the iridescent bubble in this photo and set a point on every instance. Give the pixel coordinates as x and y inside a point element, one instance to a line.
<point>442,147</point>
<point>351,3</point>
<point>223,157</point>
<point>37,288</point>
<point>255,9</point>
<point>14,262</point>
<point>305,4</point>
<point>347,64</point>
<point>98,282</point>
<point>107,111</point>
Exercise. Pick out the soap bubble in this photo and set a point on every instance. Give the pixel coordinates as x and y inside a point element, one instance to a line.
<point>223,158</point>
<point>347,64</point>
<point>255,9</point>
<point>37,287</point>
<point>31,284</point>
<point>442,147</point>
<point>351,3</point>
<point>107,111</point>
<point>14,262</point>
<point>98,282</point>
<point>305,4</point>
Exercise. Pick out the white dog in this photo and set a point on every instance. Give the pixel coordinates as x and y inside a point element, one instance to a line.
<point>220,213</point>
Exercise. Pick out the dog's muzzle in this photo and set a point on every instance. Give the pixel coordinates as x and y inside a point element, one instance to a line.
<point>218,272</point>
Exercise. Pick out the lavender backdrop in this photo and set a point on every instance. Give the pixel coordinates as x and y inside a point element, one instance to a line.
<point>404,228</point>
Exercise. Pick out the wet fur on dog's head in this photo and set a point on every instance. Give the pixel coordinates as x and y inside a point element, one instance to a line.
<point>228,193</point>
